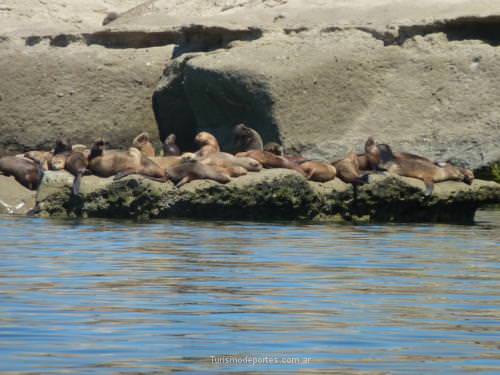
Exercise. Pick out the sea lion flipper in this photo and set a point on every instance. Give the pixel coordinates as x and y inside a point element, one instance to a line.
<point>76,184</point>
<point>122,174</point>
<point>429,188</point>
<point>184,181</point>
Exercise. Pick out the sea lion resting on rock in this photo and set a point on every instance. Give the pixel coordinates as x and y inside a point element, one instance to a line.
<point>107,163</point>
<point>348,169</point>
<point>143,143</point>
<point>76,164</point>
<point>277,149</point>
<point>247,139</point>
<point>409,165</point>
<point>228,160</point>
<point>26,171</point>
<point>170,148</point>
<point>318,171</point>
<point>191,169</point>
<point>208,144</point>
<point>61,151</point>
<point>269,160</point>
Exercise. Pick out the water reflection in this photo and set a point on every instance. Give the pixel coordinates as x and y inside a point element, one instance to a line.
<point>109,297</point>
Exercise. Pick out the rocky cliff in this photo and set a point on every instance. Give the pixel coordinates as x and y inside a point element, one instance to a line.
<point>319,75</point>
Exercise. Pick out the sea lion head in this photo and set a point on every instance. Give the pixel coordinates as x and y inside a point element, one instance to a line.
<point>98,148</point>
<point>170,140</point>
<point>274,148</point>
<point>141,139</point>
<point>188,157</point>
<point>62,145</point>
<point>205,138</point>
<point>468,175</point>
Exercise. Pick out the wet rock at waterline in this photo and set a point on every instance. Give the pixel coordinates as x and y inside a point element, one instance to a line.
<point>271,194</point>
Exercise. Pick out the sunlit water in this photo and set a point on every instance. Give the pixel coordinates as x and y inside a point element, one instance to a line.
<point>110,297</point>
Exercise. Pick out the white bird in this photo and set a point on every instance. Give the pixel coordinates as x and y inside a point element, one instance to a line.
<point>12,209</point>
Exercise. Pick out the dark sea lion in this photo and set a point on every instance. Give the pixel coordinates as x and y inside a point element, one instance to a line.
<point>26,171</point>
<point>107,163</point>
<point>318,171</point>
<point>409,165</point>
<point>76,164</point>
<point>348,169</point>
<point>372,154</point>
<point>190,170</point>
<point>41,157</point>
<point>269,160</point>
<point>170,148</point>
<point>208,144</point>
<point>143,143</point>
<point>247,139</point>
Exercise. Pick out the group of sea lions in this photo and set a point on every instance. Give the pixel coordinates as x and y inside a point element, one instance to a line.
<point>209,162</point>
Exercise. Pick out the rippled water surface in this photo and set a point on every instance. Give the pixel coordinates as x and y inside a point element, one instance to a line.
<point>110,297</point>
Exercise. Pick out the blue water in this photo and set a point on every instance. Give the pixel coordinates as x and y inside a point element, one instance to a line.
<point>109,297</point>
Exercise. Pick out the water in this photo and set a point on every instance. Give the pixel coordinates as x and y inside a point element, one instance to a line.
<point>109,297</point>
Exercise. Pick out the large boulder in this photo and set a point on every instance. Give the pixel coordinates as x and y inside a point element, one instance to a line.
<point>269,195</point>
<point>324,92</point>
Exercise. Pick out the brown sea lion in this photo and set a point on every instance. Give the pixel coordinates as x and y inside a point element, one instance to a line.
<point>247,139</point>
<point>208,144</point>
<point>26,171</point>
<point>165,162</point>
<point>170,148</point>
<point>348,169</point>
<point>61,151</point>
<point>274,148</point>
<point>318,171</point>
<point>143,143</point>
<point>269,160</point>
<point>107,163</point>
<point>41,157</point>
<point>225,160</point>
<point>76,164</point>
<point>409,165</point>
<point>190,170</point>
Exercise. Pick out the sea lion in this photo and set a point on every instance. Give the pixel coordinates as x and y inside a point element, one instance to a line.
<point>208,144</point>
<point>41,157</point>
<point>318,171</point>
<point>107,163</point>
<point>225,160</point>
<point>61,151</point>
<point>143,143</point>
<point>274,148</point>
<point>170,148</point>
<point>247,139</point>
<point>372,154</point>
<point>76,164</point>
<point>348,170</point>
<point>26,171</point>
<point>165,162</point>
<point>269,160</point>
<point>424,169</point>
<point>190,170</point>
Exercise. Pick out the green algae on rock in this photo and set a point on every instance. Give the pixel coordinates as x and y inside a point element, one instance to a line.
<point>275,194</point>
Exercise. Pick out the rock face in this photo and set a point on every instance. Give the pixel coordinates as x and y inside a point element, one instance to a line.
<point>317,75</point>
<point>324,92</point>
<point>270,195</point>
